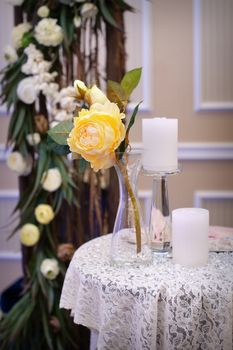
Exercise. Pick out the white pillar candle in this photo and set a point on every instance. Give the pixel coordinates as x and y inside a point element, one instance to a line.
<point>159,137</point>
<point>190,228</point>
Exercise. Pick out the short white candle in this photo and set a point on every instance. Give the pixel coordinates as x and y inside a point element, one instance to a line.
<point>190,228</point>
<point>159,137</point>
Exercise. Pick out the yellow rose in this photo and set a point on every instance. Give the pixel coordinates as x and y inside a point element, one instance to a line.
<point>95,95</point>
<point>29,235</point>
<point>97,133</point>
<point>44,214</point>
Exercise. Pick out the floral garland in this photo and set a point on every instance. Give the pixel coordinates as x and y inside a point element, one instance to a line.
<point>33,90</point>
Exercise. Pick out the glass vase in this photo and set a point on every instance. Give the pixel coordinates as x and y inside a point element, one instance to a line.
<point>130,241</point>
<point>160,220</point>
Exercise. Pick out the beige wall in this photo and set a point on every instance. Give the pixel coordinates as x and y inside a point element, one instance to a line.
<point>161,37</point>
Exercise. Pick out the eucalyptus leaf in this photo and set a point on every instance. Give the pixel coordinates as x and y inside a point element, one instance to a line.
<point>131,80</point>
<point>61,150</point>
<point>106,13</point>
<point>61,131</point>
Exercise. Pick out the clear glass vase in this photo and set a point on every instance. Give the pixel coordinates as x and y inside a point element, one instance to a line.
<point>160,220</point>
<point>130,241</point>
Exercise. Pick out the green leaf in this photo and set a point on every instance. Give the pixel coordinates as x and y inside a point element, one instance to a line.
<point>132,119</point>
<point>116,94</point>
<point>131,80</point>
<point>61,150</point>
<point>61,131</point>
<point>124,144</point>
<point>106,13</point>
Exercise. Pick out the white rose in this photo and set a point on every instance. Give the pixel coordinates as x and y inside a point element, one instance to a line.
<point>51,180</point>
<point>49,268</point>
<point>77,21</point>
<point>43,11</point>
<point>48,33</point>
<point>33,139</point>
<point>18,32</point>
<point>15,2</point>
<point>88,10</point>
<point>10,54</point>
<point>17,163</point>
<point>27,90</point>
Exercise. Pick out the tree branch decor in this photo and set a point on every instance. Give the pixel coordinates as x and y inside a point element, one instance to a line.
<point>54,42</point>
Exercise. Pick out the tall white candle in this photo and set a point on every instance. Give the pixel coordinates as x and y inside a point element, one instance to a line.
<point>159,137</point>
<point>190,228</point>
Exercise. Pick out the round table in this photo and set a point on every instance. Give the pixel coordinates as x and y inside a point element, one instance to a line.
<point>162,306</point>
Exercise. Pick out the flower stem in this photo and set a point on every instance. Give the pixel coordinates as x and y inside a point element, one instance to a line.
<point>134,204</point>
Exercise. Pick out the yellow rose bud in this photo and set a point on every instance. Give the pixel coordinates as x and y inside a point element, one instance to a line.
<point>29,235</point>
<point>97,133</point>
<point>95,95</point>
<point>44,214</point>
<point>80,89</point>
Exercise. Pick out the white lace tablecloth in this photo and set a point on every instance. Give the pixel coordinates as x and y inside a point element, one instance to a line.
<point>163,306</point>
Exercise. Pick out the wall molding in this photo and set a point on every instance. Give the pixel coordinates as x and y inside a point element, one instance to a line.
<point>200,150</point>
<point>186,150</point>
<point>12,256</point>
<point>200,195</point>
<point>9,255</point>
<point>199,104</point>
<point>9,194</point>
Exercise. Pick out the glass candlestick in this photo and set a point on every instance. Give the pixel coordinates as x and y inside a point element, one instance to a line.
<point>160,218</point>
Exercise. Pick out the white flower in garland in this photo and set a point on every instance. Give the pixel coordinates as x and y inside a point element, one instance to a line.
<point>43,11</point>
<point>89,10</point>
<point>77,21</point>
<point>51,180</point>
<point>48,32</point>
<point>20,165</point>
<point>27,90</point>
<point>33,139</point>
<point>18,32</point>
<point>35,63</point>
<point>32,52</point>
<point>29,235</point>
<point>67,99</point>
<point>62,115</point>
<point>44,214</point>
<point>10,54</point>
<point>49,268</point>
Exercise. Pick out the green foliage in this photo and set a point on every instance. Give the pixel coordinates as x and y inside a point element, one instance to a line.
<point>125,143</point>
<point>61,131</point>
<point>120,92</point>
<point>67,24</point>
<point>28,324</point>
<point>61,150</point>
<point>116,93</point>
<point>131,80</point>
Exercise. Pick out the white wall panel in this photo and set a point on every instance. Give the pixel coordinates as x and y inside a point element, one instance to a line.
<point>213,50</point>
